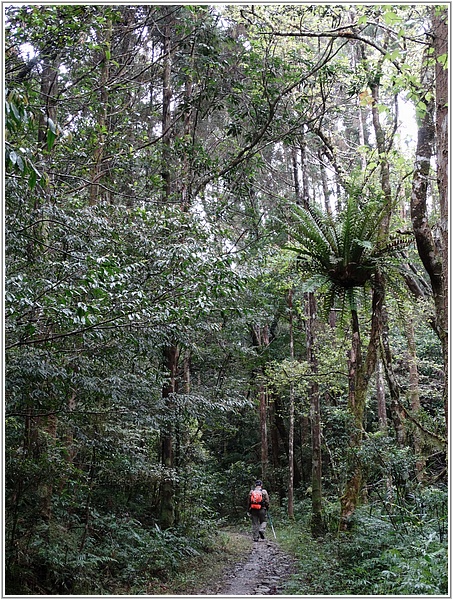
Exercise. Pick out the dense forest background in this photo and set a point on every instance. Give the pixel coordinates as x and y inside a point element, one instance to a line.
<point>226,258</point>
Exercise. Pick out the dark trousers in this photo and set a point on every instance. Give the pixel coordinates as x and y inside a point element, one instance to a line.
<point>258,523</point>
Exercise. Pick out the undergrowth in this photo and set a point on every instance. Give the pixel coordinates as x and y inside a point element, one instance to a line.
<point>396,554</point>
<point>119,556</point>
<point>204,574</point>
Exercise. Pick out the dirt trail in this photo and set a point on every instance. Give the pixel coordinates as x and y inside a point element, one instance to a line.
<point>263,573</point>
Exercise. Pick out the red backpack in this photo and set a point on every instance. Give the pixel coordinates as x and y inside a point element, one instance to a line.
<point>256,499</point>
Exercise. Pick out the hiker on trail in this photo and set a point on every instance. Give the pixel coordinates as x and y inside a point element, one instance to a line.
<point>258,503</point>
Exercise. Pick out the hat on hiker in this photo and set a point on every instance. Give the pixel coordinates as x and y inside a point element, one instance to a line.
<point>258,482</point>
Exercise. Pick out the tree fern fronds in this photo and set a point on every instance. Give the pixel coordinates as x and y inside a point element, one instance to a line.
<point>305,229</point>
<point>325,225</point>
<point>398,293</point>
<point>394,245</point>
<point>345,308</point>
<point>344,256</point>
<point>309,227</point>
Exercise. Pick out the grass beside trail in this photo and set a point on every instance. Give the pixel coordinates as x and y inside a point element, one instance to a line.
<point>200,573</point>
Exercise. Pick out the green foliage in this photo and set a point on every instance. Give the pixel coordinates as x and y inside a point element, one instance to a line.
<point>339,256</point>
<point>118,553</point>
<point>372,559</point>
<point>19,159</point>
<point>122,239</point>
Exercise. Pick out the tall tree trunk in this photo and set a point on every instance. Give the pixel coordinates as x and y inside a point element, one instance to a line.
<point>280,434</point>
<point>171,352</point>
<point>167,504</point>
<point>263,431</point>
<point>414,395</point>
<point>325,183</point>
<point>296,171</point>
<point>97,170</point>
<point>304,169</point>
<point>397,414</point>
<point>274,433</point>
<point>360,372</point>
<point>357,57</point>
<point>49,92</point>
<point>317,525</point>
<point>440,44</point>
<point>383,158</point>
<point>166,105</point>
<point>50,424</point>
<point>350,496</point>
<point>291,413</point>
<point>428,251</point>
<point>185,180</point>
<point>260,337</point>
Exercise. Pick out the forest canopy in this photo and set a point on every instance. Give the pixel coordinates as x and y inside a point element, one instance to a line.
<point>226,257</point>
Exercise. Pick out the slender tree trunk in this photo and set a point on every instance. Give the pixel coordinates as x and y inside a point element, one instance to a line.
<point>50,427</point>
<point>49,92</point>
<point>357,56</point>
<point>263,431</point>
<point>383,159</point>
<point>325,183</point>
<point>185,180</point>
<point>429,254</point>
<point>274,434</point>
<point>414,395</point>
<point>360,371</point>
<point>317,525</point>
<point>440,44</point>
<point>277,440</point>
<point>166,106</point>
<point>304,169</point>
<point>263,413</point>
<point>296,171</point>
<point>291,413</point>
<point>396,413</point>
<point>97,170</point>
<point>260,338</point>
<point>280,433</point>
<point>86,525</point>
<point>167,504</point>
<point>171,352</point>
<point>380,395</point>
<point>350,496</point>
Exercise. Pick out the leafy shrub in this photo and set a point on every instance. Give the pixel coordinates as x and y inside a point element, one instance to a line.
<point>115,552</point>
<point>418,569</point>
<point>375,557</point>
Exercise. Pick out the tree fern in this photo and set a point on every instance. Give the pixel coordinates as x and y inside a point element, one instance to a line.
<point>341,257</point>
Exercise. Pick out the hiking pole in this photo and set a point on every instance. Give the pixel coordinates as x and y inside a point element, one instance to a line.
<point>272,526</point>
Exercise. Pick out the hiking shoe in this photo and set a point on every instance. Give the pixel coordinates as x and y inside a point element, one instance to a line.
<point>262,535</point>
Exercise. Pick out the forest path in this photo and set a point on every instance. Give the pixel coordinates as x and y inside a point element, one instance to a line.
<point>262,573</point>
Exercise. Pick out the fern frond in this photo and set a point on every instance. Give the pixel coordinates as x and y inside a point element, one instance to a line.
<point>325,226</point>
<point>395,245</point>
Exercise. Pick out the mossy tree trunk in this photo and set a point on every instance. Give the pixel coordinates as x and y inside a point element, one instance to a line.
<point>360,372</point>
<point>440,44</point>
